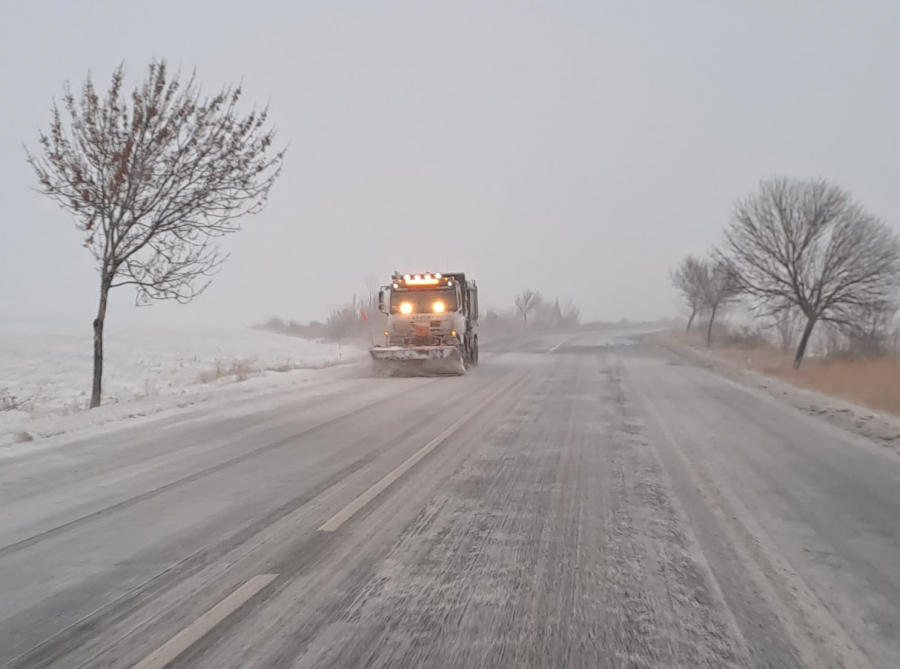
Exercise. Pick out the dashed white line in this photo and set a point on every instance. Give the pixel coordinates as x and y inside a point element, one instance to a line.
<point>342,516</point>
<point>553,350</point>
<point>204,624</point>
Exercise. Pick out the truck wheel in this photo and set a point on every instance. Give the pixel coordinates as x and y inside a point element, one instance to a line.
<point>468,351</point>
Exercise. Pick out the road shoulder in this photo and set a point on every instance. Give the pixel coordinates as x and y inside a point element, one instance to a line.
<point>879,428</point>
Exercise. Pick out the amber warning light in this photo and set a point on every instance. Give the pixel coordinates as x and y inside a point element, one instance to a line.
<point>422,279</point>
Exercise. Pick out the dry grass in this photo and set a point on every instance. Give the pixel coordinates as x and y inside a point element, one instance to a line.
<point>240,370</point>
<point>10,402</point>
<point>872,383</point>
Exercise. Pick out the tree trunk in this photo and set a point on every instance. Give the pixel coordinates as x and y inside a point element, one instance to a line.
<point>97,387</point>
<point>804,340</point>
<point>690,321</point>
<point>712,319</point>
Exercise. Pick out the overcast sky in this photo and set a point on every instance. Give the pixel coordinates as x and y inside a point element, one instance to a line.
<point>579,148</point>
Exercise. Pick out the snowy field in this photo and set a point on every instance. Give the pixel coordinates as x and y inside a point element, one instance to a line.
<point>45,376</point>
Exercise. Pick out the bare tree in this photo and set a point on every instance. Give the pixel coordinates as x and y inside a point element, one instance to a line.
<point>691,278</point>
<point>153,178</point>
<point>808,243</point>
<point>526,302</point>
<point>785,324</point>
<point>373,286</point>
<point>722,287</point>
<point>547,315</point>
<point>571,314</point>
<point>345,323</point>
<point>871,333</point>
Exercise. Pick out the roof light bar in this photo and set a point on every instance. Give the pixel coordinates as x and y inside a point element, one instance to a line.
<point>426,279</point>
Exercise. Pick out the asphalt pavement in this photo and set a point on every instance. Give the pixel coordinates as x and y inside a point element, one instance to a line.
<point>578,500</point>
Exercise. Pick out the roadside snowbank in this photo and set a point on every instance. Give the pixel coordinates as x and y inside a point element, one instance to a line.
<point>45,376</point>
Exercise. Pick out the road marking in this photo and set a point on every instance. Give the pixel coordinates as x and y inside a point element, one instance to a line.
<point>204,624</point>
<point>342,516</point>
<point>564,341</point>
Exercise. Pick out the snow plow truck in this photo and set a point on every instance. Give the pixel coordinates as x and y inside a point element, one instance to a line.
<point>431,326</point>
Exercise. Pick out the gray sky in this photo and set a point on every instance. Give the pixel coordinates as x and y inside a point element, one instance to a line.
<point>580,148</point>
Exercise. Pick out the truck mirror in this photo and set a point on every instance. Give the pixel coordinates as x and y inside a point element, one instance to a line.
<point>381,301</point>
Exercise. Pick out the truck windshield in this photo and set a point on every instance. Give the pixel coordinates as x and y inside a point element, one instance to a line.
<point>423,301</point>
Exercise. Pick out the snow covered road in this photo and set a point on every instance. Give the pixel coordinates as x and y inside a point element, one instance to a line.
<point>585,500</point>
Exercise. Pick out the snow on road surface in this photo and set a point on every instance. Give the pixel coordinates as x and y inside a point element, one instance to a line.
<point>606,504</point>
<point>45,372</point>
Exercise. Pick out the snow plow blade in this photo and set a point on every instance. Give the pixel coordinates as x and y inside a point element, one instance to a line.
<point>417,361</point>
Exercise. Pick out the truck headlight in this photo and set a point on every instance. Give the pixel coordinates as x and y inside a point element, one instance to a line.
<point>406,308</point>
<point>438,307</point>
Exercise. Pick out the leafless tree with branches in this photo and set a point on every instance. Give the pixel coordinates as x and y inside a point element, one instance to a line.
<point>153,179</point>
<point>691,278</point>
<point>571,314</point>
<point>785,322</point>
<point>372,288</point>
<point>808,243</point>
<point>526,302</point>
<point>871,334</point>
<point>722,287</point>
